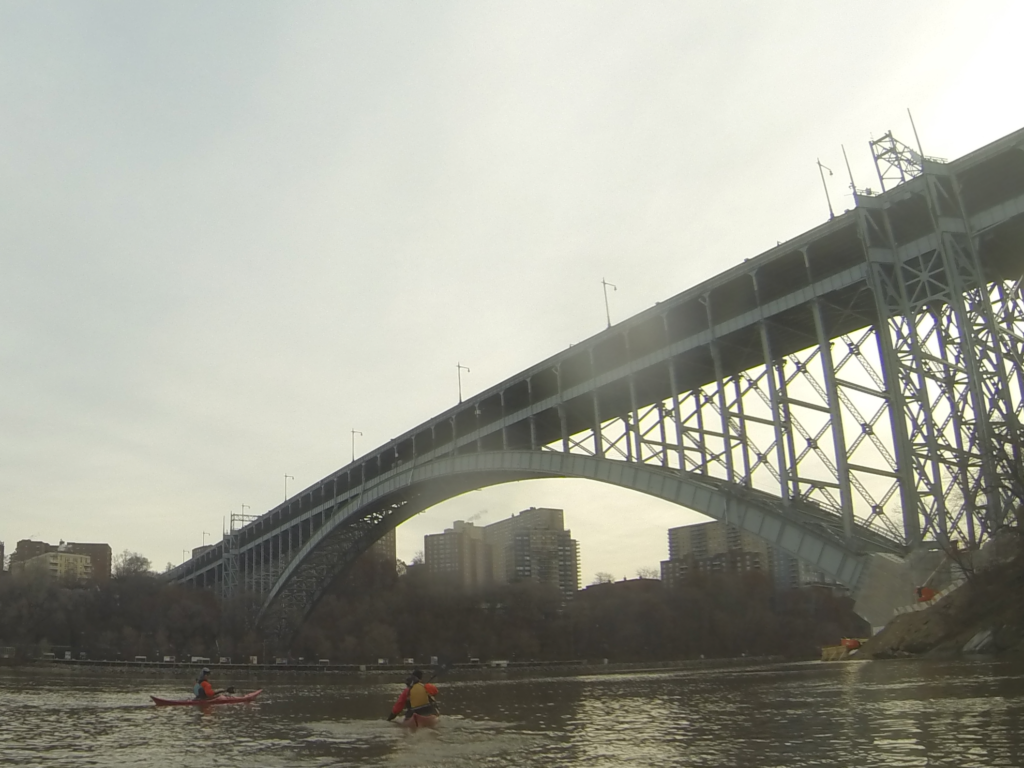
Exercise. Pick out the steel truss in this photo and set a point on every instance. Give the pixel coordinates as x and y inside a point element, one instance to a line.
<point>233,581</point>
<point>953,350</point>
<point>321,566</point>
<point>910,426</point>
<point>811,428</point>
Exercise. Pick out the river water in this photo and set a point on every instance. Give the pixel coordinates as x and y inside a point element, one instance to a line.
<point>896,713</point>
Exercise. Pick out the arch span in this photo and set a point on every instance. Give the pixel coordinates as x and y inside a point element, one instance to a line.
<point>809,532</point>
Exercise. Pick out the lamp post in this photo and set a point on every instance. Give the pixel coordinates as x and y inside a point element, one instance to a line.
<point>821,172</point>
<point>287,477</point>
<point>205,534</point>
<point>459,367</point>
<point>607,312</point>
<point>354,433</point>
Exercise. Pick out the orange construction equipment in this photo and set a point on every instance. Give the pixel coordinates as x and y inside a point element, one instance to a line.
<point>924,594</point>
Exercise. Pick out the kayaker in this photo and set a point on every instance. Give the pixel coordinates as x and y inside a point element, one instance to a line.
<point>416,699</point>
<point>203,689</point>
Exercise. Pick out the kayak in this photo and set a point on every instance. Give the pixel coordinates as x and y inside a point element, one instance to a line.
<point>205,702</point>
<point>421,721</point>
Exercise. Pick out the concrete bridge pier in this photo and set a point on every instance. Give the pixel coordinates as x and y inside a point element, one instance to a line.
<point>888,582</point>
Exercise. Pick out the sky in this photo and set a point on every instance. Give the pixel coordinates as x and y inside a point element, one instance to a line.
<point>231,233</point>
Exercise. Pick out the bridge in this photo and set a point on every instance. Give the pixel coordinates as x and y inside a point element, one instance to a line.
<point>852,396</point>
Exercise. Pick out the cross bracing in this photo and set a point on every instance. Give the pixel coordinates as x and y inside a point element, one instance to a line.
<point>859,388</point>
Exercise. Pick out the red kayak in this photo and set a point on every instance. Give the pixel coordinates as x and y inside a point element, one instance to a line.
<point>421,721</point>
<point>205,702</point>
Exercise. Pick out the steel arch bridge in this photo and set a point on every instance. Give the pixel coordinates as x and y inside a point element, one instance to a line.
<point>856,391</point>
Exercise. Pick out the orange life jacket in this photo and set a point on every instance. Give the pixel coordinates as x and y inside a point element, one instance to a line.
<point>418,696</point>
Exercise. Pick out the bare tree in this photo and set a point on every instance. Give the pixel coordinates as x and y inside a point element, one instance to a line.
<point>647,572</point>
<point>129,564</point>
<point>602,577</point>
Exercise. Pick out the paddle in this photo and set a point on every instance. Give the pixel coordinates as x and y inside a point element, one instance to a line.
<point>440,669</point>
<point>443,667</point>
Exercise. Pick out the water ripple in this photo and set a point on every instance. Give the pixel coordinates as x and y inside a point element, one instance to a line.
<point>865,714</point>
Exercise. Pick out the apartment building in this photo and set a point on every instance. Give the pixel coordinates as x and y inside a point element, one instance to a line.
<point>459,557</point>
<point>530,546</point>
<point>716,547</point>
<point>385,548</point>
<point>500,536</point>
<point>99,555</point>
<point>61,565</point>
<point>545,556</point>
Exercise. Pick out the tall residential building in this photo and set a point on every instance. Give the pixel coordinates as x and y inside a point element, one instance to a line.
<point>716,547</point>
<point>3,563</point>
<point>791,572</point>
<point>530,546</point>
<point>713,547</point>
<point>386,547</point>
<point>459,557</point>
<point>712,538</point>
<point>548,557</point>
<point>500,536</point>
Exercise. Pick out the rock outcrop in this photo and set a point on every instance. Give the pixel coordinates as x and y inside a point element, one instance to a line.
<point>985,615</point>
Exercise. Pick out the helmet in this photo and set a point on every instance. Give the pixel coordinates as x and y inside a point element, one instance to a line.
<point>418,674</point>
<point>206,670</point>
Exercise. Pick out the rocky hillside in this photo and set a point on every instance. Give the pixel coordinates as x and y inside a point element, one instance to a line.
<point>985,615</point>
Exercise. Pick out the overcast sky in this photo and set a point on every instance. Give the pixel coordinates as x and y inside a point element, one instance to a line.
<point>231,233</point>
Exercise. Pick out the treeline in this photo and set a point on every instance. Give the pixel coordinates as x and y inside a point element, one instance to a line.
<point>136,615</point>
<point>371,613</point>
<point>637,620</point>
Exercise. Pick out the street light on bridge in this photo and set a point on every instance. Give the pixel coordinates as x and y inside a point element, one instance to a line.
<point>460,368</point>
<point>607,312</point>
<point>821,171</point>
<point>354,433</point>
<point>287,477</point>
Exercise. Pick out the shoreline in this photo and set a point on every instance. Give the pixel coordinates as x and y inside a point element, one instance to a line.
<point>514,670</point>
